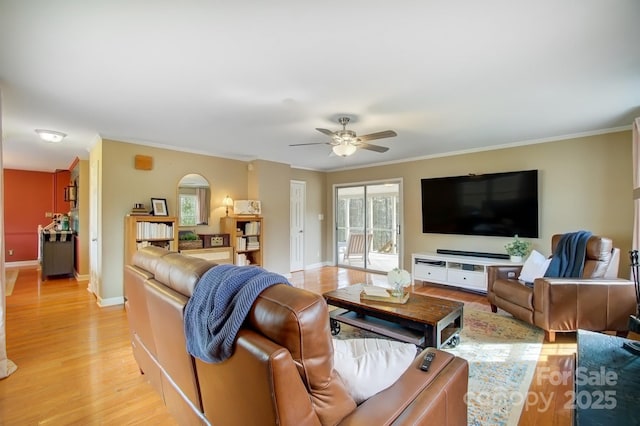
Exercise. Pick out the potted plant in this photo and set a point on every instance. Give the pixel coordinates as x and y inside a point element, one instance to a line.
<point>517,249</point>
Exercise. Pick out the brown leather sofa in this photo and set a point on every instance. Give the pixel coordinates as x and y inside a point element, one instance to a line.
<point>597,301</point>
<point>281,371</point>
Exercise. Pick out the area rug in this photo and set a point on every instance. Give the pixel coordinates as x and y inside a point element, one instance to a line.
<point>11,275</point>
<point>502,353</point>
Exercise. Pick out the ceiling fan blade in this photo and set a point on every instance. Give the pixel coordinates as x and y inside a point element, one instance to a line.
<point>376,148</point>
<point>378,135</point>
<point>311,143</point>
<point>325,131</point>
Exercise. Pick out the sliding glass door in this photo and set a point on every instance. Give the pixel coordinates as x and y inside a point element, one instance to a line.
<point>367,228</point>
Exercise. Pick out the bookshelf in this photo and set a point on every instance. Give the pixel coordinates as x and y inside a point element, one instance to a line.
<point>141,231</point>
<point>246,235</point>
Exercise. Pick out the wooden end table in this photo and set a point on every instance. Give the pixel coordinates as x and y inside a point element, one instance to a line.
<point>423,320</point>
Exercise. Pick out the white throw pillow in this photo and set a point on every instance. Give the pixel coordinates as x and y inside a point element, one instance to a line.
<point>367,366</point>
<point>534,267</point>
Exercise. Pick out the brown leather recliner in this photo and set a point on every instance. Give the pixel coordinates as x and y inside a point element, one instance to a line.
<point>281,371</point>
<point>597,301</point>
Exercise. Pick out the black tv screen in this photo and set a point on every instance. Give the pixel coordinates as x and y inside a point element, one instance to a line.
<point>497,204</point>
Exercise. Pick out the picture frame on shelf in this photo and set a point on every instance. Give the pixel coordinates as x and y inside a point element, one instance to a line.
<point>247,207</point>
<point>159,207</point>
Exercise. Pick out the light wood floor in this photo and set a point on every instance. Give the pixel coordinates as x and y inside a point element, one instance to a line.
<point>75,365</point>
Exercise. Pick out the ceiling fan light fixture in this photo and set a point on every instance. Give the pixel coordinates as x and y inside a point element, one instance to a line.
<point>50,135</point>
<point>348,136</point>
<point>344,149</point>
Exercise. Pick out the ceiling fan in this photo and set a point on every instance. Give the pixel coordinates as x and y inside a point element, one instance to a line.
<point>346,142</point>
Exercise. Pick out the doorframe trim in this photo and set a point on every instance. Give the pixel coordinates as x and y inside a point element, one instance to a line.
<point>335,186</point>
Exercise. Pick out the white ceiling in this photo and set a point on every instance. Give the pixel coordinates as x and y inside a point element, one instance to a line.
<point>245,79</point>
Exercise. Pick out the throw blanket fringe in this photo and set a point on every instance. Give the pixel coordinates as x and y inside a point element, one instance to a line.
<point>219,305</point>
<point>568,258</point>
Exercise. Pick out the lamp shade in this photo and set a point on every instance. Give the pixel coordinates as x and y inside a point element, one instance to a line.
<point>344,149</point>
<point>227,202</point>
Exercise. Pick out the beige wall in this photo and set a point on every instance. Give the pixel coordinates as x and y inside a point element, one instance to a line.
<point>123,185</point>
<point>584,183</point>
<point>269,183</point>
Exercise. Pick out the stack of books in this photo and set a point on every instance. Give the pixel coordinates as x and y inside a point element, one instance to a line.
<point>139,210</point>
<point>252,243</point>
<point>241,244</point>
<point>252,228</point>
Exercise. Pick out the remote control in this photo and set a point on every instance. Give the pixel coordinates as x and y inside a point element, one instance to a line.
<point>426,362</point>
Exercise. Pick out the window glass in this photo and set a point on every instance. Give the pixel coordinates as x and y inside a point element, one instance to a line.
<point>188,209</point>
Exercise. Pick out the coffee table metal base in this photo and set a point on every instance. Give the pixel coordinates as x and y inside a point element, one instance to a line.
<point>445,332</point>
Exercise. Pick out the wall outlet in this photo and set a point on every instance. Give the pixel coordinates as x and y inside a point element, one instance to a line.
<point>48,214</point>
<point>10,252</point>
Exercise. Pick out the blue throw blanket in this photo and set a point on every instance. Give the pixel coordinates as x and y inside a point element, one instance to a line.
<point>567,260</point>
<point>219,305</point>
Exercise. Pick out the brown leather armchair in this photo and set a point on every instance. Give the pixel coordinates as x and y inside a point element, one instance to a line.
<point>597,301</point>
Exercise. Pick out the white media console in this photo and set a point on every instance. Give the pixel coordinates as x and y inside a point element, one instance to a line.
<point>467,272</point>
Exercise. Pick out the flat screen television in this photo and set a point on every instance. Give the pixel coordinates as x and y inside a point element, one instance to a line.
<point>496,204</point>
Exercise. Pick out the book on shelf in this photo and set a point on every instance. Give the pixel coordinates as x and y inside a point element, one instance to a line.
<point>252,228</point>
<point>241,259</point>
<point>153,230</point>
<point>253,243</point>
<point>138,212</point>
<point>241,244</point>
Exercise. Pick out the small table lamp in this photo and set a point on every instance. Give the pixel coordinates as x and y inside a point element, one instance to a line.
<point>227,202</point>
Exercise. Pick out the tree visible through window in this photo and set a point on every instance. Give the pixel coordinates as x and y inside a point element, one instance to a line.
<point>188,209</point>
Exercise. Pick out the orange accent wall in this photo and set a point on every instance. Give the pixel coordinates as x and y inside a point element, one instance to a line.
<point>28,195</point>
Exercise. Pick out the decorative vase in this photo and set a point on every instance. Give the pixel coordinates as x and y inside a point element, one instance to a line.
<point>397,278</point>
<point>397,290</point>
<point>516,258</point>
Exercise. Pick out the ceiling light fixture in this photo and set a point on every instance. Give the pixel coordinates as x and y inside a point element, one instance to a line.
<point>50,135</point>
<point>344,149</point>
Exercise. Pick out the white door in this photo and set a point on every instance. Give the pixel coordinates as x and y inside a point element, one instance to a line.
<point>94,221</point>
<point>296,221</point>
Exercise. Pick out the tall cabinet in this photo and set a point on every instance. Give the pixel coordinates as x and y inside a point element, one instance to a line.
<point>142,231</point>
<point>246,235</point>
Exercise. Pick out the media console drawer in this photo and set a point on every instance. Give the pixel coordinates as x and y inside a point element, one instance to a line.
<point>424,271</point>
<point>467,278</point>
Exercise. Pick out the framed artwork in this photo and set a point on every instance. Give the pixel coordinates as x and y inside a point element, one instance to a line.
<point>248,207</point>
<point>159,207</point>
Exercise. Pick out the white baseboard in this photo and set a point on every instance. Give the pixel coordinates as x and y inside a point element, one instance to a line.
<point>21,264</point>
<point>318,265</point>
<point>111,301</point>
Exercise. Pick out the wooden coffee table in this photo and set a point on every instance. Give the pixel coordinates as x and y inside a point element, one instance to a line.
<point>423,320</point>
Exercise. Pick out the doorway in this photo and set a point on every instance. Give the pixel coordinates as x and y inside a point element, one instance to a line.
<point>367,225</point>
<point>296,223</point>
